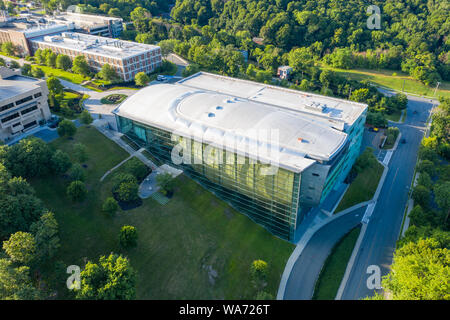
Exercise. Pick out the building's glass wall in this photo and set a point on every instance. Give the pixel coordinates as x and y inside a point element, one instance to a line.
<point>271,200</point>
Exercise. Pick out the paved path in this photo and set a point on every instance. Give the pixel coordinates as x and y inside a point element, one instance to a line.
<point>378,244</point>
<point>307,267</point>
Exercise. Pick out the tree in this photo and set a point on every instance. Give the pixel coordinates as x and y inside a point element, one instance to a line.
<point>63,62</point>
<point>428,167</point>
<point>421,195</point>
<point>140,17</point>
<point>54,86</point>
<point>419,272</point>
<point>80,66</point>
<point>112,278</point>
<point>108,73</point>
<point>258,272</point>
<point>80,152</point>
<point>425,180</point>
<point>37,72</point>
<point>128,236</point>
<point>77,191</point>
<point>86,117</point>
<point>66,128</point>
<point>259,269</point>
<point>76,173</point>
<point>110,205</point>
<point>26,69</point>
<point>60,162</point>
<point>18,212</point>
<point>21,247</point>
<point>128,191</point>
<point>442,196</point>
<point>135,167</point>
<point>15,282</point>
<point>28,158</point>
<point>141,79</point>
<point>45,232</point>
<point>8,48</point>
<point>50,60</point>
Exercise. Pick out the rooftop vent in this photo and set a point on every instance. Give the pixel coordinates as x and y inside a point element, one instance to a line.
<point>316,106</point>
<point>219,108</point>
<point>211,115</point>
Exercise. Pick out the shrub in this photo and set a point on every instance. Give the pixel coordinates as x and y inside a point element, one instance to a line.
<point>138,169</point>
<point>128,236</point>
<point>77,191</point>
<point>60,162</point>
<point>86,117</point>
<point>76,173</point>
<point>110,205</point>
<point>66,128</point>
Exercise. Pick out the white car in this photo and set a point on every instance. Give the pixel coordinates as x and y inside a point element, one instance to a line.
<point>161,78</point>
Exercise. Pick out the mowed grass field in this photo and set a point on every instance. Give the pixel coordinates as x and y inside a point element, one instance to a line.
<point>363,187</point>
<point>333,270</point>
<point>181,244</point>
<point>385,78</point>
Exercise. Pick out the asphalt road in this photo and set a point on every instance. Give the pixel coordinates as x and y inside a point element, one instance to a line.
<point>306,270</point>
<point>383,229</point>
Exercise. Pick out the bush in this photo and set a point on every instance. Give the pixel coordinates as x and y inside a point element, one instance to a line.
<point>66,128</point>
<point>77,191</point>
<point>110,205</point>
<point>60,162</point>
<point>135,167</point>
<point>128,191</point>
<point>428,167</point>
<point>258,270</point>
<point>125,187</point>
<point>76,173</point>
<point>86,117</point>
<point>128,236</point>
<point>421,196</point>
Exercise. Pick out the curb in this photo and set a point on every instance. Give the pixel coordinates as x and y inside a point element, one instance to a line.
<point>351,261</point>
<point>302,244</point>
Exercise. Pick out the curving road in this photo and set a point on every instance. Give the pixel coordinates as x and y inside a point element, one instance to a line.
<point>378,244</point>
<point>306,270</point>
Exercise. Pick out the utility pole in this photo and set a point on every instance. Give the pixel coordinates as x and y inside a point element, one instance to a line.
<point>435,90</point>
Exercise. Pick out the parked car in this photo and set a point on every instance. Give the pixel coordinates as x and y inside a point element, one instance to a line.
<point>161,78</point>
<point>374,129</point>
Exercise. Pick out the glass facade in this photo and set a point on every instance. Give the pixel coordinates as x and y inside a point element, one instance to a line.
<point>270,200</point>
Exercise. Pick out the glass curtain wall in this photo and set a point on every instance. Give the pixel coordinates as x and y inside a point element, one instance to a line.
<point>270,200</point>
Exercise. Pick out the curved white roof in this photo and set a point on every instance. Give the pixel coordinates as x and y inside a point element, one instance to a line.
<point>239,125</point>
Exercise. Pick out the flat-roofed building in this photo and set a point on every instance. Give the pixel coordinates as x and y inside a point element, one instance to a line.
<point>92,24</point>
<point>126,57</point>
<point>272,153</point>
<point>23,103</point>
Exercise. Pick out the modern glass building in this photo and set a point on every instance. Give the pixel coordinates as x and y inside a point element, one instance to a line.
<point>272,153</point>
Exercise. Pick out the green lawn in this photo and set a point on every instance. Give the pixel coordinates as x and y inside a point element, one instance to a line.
<point>178,242</point>
<point>386,78</point>
<point>333,270</point>
<point>363,187</point>
<point>65,75</point>
<point>395,116</point>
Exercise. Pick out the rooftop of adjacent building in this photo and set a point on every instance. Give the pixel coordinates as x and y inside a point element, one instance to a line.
<point>227,112</point>
<point>13,84</point>
<point>91,44</point>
